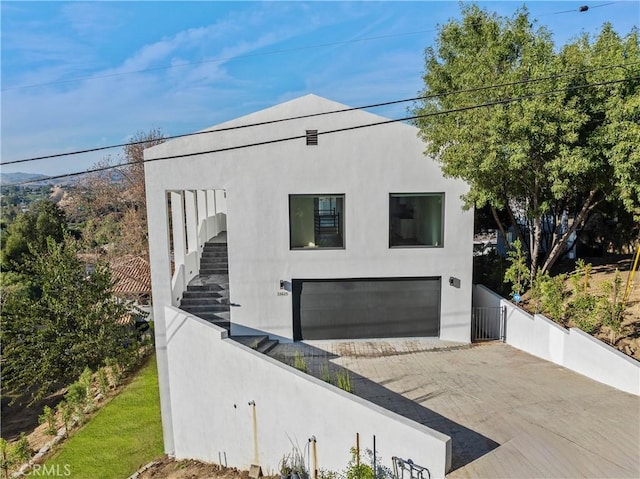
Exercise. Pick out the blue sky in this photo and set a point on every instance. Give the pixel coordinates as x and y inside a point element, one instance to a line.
<point>78,75</point>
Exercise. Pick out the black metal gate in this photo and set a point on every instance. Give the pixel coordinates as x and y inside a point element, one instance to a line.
<point>488,323</point>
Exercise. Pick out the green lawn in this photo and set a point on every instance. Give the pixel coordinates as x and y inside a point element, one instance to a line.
<point>123,436</point>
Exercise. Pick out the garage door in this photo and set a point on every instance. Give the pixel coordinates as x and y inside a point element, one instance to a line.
<point>366,308</point>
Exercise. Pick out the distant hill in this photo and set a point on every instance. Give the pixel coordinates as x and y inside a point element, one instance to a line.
<point>10,178</point>
<point>41,180</point>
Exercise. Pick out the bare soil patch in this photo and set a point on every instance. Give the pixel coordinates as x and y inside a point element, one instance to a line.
<point>167,467</point>
<point>18,418</point>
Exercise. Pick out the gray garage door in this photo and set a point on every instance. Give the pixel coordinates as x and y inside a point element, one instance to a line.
<point>366,308</point>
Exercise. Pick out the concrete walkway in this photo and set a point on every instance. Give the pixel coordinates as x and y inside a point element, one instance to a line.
<point>509,414</point>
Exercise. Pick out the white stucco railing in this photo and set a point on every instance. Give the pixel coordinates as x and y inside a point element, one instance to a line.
<point>572,348</point>
<point>234,405</point>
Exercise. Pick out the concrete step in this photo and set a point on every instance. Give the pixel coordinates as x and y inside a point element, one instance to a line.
<point>204,308</point>
<point>201,294</point>
<point>260,343</point>
<point>221,323</point>
<point>204,287</point>
<point>206,271</point>
<point>207,263</point>
<point>202,301</point>
<point>212,317</point>
<point>214,254</point>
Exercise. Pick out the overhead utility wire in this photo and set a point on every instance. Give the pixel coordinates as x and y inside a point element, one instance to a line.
<point>218,60</point>
<point>350,128</point>
<point>311,115</point>
<point>584,8</point>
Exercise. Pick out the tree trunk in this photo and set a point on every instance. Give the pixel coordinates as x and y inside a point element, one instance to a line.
<point>554,253</point>
<point>535,251</point>
<point>517,230</point>
<point>503,232</point>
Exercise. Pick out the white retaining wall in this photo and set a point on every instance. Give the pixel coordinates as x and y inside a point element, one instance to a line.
<point>213,381</point>
<point>571,348</point>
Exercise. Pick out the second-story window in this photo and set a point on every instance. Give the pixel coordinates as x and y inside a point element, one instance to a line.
<point>316,221</point>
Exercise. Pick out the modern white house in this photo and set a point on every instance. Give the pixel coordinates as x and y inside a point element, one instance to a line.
<point>336,225</point>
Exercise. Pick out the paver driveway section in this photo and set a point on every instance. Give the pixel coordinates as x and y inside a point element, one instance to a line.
<point>509,414</point>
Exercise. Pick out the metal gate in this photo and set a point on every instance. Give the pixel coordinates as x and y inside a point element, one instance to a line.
<point>488,323</point>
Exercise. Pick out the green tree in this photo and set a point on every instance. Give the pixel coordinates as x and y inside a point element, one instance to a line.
<point>517,273</point>
<point>543,157</point>
<point>29,232</point>
<point>70,323</point>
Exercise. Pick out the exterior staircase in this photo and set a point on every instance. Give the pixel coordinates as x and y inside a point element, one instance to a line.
<point>262,344</point>
<point>207,295</point>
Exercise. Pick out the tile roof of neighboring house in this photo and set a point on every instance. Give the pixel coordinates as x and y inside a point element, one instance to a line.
<point>131,276</point>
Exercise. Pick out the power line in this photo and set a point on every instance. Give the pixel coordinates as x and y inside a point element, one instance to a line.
<point>218,60</point>
<point>583,8</point>
<point>351,128</point>
<point>311,115</point>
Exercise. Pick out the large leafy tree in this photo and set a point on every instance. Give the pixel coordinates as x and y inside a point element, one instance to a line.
<point>546,160</point>
<point>29,232</point>
<point>67,321</point>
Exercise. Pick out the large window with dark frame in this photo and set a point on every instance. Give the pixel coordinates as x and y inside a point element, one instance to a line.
<point>416,219</point>
<point>316,221</point>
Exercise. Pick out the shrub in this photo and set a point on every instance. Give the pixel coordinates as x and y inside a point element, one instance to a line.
<point>66,414</point>
<point>76,397</point>
<point>610,308</point>
<point>22,450</point>
<point>103,381</point>
<point>583,311</point>
<point>518,273</point>
<point>6,459</point>
<point>115,372</point>
<point>356,469</point>
<point>47,417</point>
<point>548,295</point>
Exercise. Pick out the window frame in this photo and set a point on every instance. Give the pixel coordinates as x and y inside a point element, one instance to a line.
<point>341,221</point>
<point>441,242</point>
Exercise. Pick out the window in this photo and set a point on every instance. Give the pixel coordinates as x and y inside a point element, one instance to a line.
<point>416,219</point>
<point>316,221</point>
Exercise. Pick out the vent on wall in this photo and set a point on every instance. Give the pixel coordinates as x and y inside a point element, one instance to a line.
<point>312,137</point>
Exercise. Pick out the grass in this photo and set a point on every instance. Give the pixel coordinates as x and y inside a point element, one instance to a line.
<point>123,436</point>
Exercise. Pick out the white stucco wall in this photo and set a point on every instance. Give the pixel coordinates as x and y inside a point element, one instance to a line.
<point>214,380</point>
<point>571,348</point>
<point>365,165</point>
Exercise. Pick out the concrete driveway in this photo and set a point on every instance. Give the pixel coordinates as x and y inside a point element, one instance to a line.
<point>509,414</point>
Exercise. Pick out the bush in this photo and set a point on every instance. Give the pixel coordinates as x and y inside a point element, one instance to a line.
<point>548,296</point>
<point>583,312</point>
<point>610,308</point>
<point>22,450</point>
<point>518,273</point>
<point>103,381</point>
<point>66,414</point>
<point>356,469</point>
<point>47,417</point>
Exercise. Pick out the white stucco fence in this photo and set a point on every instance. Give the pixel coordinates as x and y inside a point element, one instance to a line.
<point>215,381</point>
<point>572,348</point>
